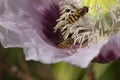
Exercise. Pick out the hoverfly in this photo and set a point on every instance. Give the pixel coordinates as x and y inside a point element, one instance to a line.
<point>66,43</point>
<point>77,14</point>
<point>70,16</point>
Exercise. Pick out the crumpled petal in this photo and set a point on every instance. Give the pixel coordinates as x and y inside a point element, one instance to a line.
<point>18,28</point>
<point>110,51</point>
<point>24,24</point>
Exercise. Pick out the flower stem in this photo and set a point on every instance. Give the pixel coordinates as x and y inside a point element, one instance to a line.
<point>91,74</point>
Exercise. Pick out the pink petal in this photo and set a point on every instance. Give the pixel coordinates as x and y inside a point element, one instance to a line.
<point>23,24</point>
<point>110,51</point>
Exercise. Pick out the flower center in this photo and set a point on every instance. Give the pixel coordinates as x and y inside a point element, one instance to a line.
<point>75,28</point>
<point>78,28</point>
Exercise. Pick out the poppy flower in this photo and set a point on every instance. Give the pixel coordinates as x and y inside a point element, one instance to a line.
<point>29,24</point>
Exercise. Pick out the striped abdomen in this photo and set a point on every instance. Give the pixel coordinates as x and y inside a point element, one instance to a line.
<point>77,14</point>
<point>66,43</point>
<point>73,17</point>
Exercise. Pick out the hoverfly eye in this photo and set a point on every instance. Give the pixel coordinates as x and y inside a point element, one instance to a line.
<point>67,10</point>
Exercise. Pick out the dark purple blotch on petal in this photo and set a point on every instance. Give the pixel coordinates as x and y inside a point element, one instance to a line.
<point>109,51</point>
<point>50,15</point>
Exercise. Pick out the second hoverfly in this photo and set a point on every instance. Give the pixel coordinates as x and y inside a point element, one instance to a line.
<point>66,43</point>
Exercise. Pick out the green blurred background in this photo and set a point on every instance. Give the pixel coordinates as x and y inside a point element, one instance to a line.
<point>14,67</point>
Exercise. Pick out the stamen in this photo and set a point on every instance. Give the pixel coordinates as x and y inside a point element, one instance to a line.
<point>73,25</point>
